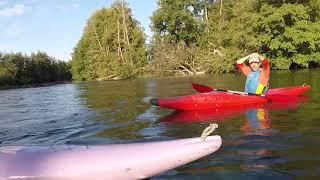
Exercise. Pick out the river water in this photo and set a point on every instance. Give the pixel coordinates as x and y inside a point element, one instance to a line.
<point>280,141</point>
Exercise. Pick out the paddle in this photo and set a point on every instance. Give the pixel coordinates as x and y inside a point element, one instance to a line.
<point>203,88</point>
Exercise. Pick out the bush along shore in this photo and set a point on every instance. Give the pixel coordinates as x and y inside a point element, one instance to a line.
<point>38,69</point>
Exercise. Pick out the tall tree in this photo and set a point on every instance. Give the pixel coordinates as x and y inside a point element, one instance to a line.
<point>288,32</point>
<point>179,20</point>
<point>112,44</point>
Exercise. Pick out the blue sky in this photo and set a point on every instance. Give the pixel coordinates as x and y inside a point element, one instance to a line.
<point>55,26</point>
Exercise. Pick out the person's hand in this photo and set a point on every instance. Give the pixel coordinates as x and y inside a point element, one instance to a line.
<point>242,60</point>
<point>256,55</point>
<point>252,55</point>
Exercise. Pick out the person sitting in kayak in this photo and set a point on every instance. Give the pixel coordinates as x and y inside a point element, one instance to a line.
<point>257,73</point>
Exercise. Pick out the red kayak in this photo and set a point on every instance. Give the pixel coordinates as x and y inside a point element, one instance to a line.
<point>217,99</point>
<point>220,114</point>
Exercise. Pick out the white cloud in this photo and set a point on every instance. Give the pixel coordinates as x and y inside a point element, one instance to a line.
<point>17,9</point>
<point>64,7</point>
<point>3,2</point>
<point>33,1</point>
<point>60,7</point>
<point>75,5</point>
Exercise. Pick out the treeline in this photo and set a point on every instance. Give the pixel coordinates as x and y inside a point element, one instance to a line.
<point>208,36</point>
<point>38,68</point>
<point>198,36</point>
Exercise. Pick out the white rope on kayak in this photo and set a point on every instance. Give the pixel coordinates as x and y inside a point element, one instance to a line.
<point>207,131</point>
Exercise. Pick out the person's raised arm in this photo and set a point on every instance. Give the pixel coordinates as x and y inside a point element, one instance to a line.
<point>265,65</point>
<point>242,60</point>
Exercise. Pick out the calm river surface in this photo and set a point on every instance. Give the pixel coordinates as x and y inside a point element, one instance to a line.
<point>279,142</point>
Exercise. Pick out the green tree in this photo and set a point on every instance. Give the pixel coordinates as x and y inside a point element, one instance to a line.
<point>178,27</point>
<point>19,69</point>
<point>288,33</point>
<point>112,44</point>
<point>180,20</point>
<point>78,62</point>
<point>285,31</point>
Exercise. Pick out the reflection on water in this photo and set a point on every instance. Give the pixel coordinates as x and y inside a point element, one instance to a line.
<point>45,115</point>
<point>252,151</point>
<point>123,110</point>
<point>257,123</point>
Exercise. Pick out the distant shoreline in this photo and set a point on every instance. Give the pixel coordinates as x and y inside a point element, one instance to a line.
<point>7,87</point>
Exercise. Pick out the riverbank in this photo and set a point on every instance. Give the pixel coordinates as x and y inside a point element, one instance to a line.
<point>6,87</point>
<point>145,76</point>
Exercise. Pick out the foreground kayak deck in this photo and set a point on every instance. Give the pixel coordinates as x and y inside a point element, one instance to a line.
<point>216,99</point>
<point>120,161</point>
